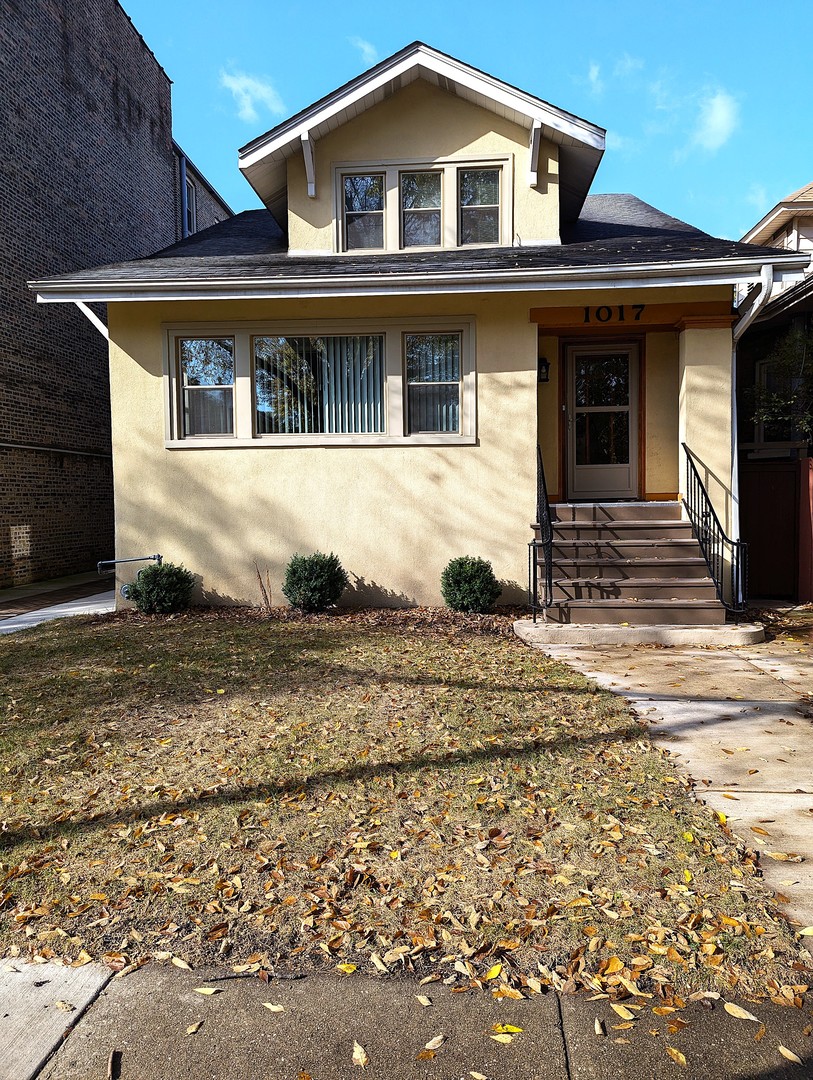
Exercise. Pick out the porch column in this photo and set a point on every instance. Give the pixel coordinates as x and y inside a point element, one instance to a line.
<point>706,389</point>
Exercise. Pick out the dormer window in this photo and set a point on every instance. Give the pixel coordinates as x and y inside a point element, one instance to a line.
<point>438,204</point>
<point>364,211</point>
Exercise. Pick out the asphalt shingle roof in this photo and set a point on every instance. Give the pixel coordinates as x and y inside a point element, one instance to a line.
<point>612,231</point>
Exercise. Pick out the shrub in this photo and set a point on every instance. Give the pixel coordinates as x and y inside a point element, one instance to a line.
<point>159,590</point>
<point>314,582</point>
<point>469,584</point>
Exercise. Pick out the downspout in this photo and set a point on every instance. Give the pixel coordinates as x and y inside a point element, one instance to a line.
<point>766,284</point>
<point>184,198</point>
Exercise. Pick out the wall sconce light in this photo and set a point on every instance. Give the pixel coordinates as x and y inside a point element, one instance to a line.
<point>542,370</point>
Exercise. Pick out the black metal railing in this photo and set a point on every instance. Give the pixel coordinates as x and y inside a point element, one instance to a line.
<point>726,559</point>
<point>544,544</point>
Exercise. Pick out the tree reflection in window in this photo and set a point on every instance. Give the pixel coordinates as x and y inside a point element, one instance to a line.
<point>207,385</point>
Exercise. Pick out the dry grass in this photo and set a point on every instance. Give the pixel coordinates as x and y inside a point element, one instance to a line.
<point>409,790</point>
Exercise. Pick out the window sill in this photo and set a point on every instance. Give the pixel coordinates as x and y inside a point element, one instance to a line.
<point>266,442</point>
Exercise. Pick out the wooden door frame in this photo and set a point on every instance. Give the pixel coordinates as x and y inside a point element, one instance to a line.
<point>611,341</point>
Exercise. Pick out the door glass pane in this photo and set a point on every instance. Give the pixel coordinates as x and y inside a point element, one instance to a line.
<point>602,380</point>
<point>603,438</point>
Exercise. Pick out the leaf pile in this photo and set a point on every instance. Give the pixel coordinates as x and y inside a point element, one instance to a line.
<point>388,792</point>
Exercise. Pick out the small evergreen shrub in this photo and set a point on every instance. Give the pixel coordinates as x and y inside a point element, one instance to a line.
<point>160,590</point>
<point>314,582</point>
<point>468,584</point>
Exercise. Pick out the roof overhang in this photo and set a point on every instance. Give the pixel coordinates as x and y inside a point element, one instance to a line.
<point>776,219</point>
<point>264,160</point>
<point>734,271</point>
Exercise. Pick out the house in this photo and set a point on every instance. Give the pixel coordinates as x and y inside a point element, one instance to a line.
<point>90,173</point>
<point>776,461</point>
<point>431,304</point>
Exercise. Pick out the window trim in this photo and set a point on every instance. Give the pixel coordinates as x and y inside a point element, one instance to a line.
<point>181,388</point>
<point>396,402</point>
<point>449,209</point>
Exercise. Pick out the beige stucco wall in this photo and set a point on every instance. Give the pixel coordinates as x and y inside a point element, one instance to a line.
<point>423,123</point>
<point>395,515</point>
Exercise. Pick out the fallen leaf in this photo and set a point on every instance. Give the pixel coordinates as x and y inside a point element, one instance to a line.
<point>208,990</point>
<point>436,1043</point>
<point>807,932</point>
<point>176,960</point>
<point>676,1056</point>
<point>741,1014</point>
<point>66,1006</point>
<point>193,1029</point>
<point>506,1029</point>
<point>789,1054</point>
<point>477,1076</point>
<point>360,1056</point>
<point>378,962</point>
<point>492,973</point>
<point>347,969</point>
<point>503,1038</point>
<point>598,1027</point>
<point>423,999</point>
<point>273,1008</point>
<point>425,1055</point>
<point>622,1011</point>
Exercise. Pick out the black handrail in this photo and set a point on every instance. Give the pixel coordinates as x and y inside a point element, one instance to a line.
<point>726,559</point>
<point>543,543</point>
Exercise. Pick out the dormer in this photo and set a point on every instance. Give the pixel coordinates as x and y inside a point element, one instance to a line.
<point>422,153</point>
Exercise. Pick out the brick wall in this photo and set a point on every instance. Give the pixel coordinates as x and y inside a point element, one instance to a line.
<point>88,175</point>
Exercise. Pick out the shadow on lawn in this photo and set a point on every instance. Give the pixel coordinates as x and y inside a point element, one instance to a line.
<point>235,794</point>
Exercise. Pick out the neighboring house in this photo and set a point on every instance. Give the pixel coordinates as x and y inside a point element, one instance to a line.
<point>776,462</point>
<point>89,174</point>
<point>375,374</point>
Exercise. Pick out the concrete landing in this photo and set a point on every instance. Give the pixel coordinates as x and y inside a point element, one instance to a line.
<point>543,634</point>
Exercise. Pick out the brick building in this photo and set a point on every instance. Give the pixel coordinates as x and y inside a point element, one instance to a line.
<point>89,174</point>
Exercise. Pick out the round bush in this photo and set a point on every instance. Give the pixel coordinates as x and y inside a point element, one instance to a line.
<point>314,582</point>
<point>160,590</point>
<point>469,584</point>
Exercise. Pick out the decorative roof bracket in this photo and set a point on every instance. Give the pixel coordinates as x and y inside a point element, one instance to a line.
<point>310,164</point>
<point>533,145</point>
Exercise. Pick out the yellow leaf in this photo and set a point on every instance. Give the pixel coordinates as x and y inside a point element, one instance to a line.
<point>687,876</point>
<point>676,1056</point>
<point>176,960</point>
<point>193,1029</point>
<point>423,999</point>
<point>688,837</point>
<point>741,1014</point>
<point>807,932</point>
<point>506,1029</point>
<point>477,1076</point>
<point>359,1055</point>
<point>721,817</point>
<point>221,691</point>
<point>493,972</point>
<point>622,1011</point>
<point>789,1054</point>
<point>502,1038</point>
<point>436,1043</point>
<point>272,1007</point>
<point>208,990</point>
<point>347,969</point>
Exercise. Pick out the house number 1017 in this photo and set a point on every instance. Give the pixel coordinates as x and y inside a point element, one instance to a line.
<point>616,313</point>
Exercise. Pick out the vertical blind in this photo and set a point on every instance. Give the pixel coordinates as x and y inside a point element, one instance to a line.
<point>319,385</point>
<point>433,380</point>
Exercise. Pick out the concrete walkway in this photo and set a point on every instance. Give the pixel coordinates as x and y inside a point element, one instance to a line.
<point>30,605</point>
<point>740,723</point>
<point>154,1025</point>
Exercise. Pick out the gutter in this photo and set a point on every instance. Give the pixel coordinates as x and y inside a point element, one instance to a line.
<point>710,272</point>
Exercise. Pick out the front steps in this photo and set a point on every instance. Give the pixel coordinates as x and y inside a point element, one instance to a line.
<point>628,564</point>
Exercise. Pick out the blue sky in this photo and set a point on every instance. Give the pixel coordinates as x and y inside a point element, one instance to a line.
<point>704,102</point>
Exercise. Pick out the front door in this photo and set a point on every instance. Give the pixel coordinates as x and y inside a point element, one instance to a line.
<point>602,421</point>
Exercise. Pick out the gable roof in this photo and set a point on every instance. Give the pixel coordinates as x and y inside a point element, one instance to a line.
<point>618,239</point>
<point>798,202</point>
<point>263,160</point>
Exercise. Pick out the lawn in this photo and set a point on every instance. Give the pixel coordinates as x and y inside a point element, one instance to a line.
<point>395,791</point>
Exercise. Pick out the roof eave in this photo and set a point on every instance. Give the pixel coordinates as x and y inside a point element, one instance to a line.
<point>705,272</point>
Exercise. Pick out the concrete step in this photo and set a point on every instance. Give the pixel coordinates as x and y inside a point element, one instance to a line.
<point>621,530</point>
<point>690,566</point>
<point>639,613</point>
<point>634,589</point>
<point>639,548</point>
<point>619,511</point>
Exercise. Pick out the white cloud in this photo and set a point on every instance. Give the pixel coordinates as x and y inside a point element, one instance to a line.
<point>626,66</point>
<point>717,122</point>
<point>595,81</point>
<point>620,143</point>
<point>249,92</point>
<point>758,198</point>
<point>369,53</point>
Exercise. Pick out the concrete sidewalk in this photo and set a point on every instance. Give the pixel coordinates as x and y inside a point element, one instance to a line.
<point>153,1025</point>
<point>740,723</point>
<point>30,605</point>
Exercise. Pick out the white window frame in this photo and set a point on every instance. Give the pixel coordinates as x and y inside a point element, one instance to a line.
<point>450,209</point>
<point>395,386</point>
<point>191,208</point>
